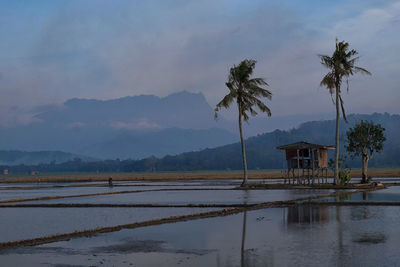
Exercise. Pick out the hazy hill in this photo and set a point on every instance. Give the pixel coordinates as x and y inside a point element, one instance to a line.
<point>128,127</point>
<point>159,143</point>
<point>15,157</point>
<point>261,151</point>
<point>143,112</point>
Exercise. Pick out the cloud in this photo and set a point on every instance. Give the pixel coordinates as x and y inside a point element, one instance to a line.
<point>95,49</point>
<point>370,24</point>
<point>76,125</point>
<point>10,117</point>
<point>141,124</point>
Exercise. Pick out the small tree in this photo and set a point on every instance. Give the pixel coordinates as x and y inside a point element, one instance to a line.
<point>363,140</point>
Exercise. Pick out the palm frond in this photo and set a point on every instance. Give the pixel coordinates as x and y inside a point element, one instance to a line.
<point>258,81</point>
<point>245,90</point>
<point>245,116</point>
<point>326,61</point>
<point>342,107</point>
<point>259,91</point>
<point>362,70</point>
<point>341,65</point>
<point>262,107</point>
<point>329,82</point>
<point>224,103</point>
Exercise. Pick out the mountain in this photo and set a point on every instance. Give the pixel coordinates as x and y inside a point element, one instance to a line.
<point>143,112</point>
<point>15,157</point>
<point>159,143</point>
<point>128,127</point>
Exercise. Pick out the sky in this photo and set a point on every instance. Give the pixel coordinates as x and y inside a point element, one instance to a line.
<point>54,50</point>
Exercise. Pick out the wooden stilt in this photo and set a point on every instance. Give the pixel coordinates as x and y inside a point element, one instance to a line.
<point>294,176</point>
<point>283,167</point>
<point>302,166</point>
<point>298,167</point>
<point>312,162</point>
<point>326,175</point>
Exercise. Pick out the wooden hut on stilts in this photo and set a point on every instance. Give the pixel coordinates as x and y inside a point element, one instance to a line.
<point>305,162</point>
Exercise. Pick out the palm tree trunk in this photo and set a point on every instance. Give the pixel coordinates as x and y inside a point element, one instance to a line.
<point>243,148</point>
<point>336,178</point>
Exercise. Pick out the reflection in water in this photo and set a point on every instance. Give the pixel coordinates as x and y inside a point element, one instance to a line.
<point>252,238</point>
<point>362,213</point>
<point>249,257</point>
<point>341,251</point>
<point>242,250</point>
<point>253,259</point>
<point>371,238</point>
<point>342,198</point>
<point>365,195</point>
<point>307,214</point>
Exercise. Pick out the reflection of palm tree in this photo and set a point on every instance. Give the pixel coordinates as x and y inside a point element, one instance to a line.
<point>246,92</point>
<point>341,65</point>
<point>242,250</point>
<point>340,237</point>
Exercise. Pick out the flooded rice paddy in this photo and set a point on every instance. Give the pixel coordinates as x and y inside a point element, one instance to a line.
<point>316,232</point>
<point>26,223</point>
<point>189,196</point>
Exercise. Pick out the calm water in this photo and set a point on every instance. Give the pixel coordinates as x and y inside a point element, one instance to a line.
<point>25,223</point>
<point>194,197</point>
<point>391,194</point>
<point>328,236</point>
<point>303,235</point>
<point>11,193</point>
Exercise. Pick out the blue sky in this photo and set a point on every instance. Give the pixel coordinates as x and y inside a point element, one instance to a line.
<point>54,50</point>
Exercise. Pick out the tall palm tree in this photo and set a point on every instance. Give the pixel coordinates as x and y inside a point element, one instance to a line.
<point>341,65</point>
<point>246,91</point>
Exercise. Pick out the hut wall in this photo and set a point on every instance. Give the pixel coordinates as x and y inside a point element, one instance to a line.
<point>291,153</point>
<point>322,158</point>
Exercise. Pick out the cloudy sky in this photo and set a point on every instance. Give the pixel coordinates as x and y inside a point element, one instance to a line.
<point>54,50</point>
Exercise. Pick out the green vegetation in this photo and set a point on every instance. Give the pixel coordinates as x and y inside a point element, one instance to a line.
<point>344,169</point>
<point>341,65</point>
<point>363,140</point>
<point>246,91</point>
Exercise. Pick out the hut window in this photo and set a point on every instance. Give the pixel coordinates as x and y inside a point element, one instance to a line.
<point>304,153</point>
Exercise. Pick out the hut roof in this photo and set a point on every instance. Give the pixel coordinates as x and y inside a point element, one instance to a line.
<point>304,145</point>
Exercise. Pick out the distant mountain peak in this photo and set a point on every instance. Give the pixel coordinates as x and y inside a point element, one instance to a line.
<point>181,109</point>
<point>180,94</point>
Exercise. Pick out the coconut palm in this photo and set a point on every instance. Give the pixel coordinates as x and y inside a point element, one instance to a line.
<point>341,65</point>
<point>246,91</point>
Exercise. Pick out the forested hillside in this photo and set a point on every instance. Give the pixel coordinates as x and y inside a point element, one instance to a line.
<point>261,151</point>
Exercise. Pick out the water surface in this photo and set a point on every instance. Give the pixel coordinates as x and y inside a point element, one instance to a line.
<point>182,197</point>
<point>303,236</point>
<point>25,223</point>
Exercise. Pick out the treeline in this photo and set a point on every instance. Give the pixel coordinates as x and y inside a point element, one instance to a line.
<point>14,157</point>
<point>261,152</point>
